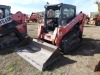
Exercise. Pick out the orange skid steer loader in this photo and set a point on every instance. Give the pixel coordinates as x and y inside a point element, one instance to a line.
<point>13,27</point>
<point>61,32</point>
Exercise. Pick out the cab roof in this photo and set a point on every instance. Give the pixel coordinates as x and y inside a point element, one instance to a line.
<point>5,7</point>
<point>61,4</point>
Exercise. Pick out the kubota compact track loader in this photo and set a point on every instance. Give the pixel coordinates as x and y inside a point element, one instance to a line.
<point>61,32</point>
<point>12,27</point>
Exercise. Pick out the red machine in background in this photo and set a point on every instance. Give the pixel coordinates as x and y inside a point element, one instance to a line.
<point>95,16</point>
<point>12,27</point>
<point>33,17</point>
<point>97,21</point>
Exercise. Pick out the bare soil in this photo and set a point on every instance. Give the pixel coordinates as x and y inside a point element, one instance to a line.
<point>80,61</point>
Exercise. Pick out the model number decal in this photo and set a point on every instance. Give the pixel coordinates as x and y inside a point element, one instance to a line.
<point>5,20</point>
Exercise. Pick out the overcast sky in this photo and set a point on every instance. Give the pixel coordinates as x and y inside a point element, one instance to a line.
<point>29,6</point>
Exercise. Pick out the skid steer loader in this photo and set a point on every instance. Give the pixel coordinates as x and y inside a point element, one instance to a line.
<point>12,27</point>
<point>61,32</point>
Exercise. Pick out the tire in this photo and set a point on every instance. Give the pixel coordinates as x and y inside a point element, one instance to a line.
<point>66,43</point>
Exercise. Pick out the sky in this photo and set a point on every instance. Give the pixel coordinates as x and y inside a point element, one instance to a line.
<point>29,6</point>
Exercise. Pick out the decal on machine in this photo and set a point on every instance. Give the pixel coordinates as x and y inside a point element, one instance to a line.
<point>5,20</point>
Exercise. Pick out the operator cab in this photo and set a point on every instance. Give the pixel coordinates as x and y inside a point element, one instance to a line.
<point>4,11</point>
<point>58,15</point>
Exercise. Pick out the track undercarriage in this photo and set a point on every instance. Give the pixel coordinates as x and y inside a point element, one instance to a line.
<point>9,40</point>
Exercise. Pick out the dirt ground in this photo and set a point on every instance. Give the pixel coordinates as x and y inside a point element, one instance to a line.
<point>80,61</point>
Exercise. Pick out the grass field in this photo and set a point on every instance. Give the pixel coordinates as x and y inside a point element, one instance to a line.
<point>81,61</point>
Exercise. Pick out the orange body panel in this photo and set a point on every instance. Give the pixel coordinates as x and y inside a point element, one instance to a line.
<point>21,19</point>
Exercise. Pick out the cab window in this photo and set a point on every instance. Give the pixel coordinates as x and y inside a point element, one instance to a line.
<point>7,12</point>
<point>68,13</point>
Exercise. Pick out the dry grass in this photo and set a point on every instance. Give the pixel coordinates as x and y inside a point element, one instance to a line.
<point>81,61</point>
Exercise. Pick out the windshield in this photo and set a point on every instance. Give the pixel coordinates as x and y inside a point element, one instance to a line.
<point>53,13</point>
